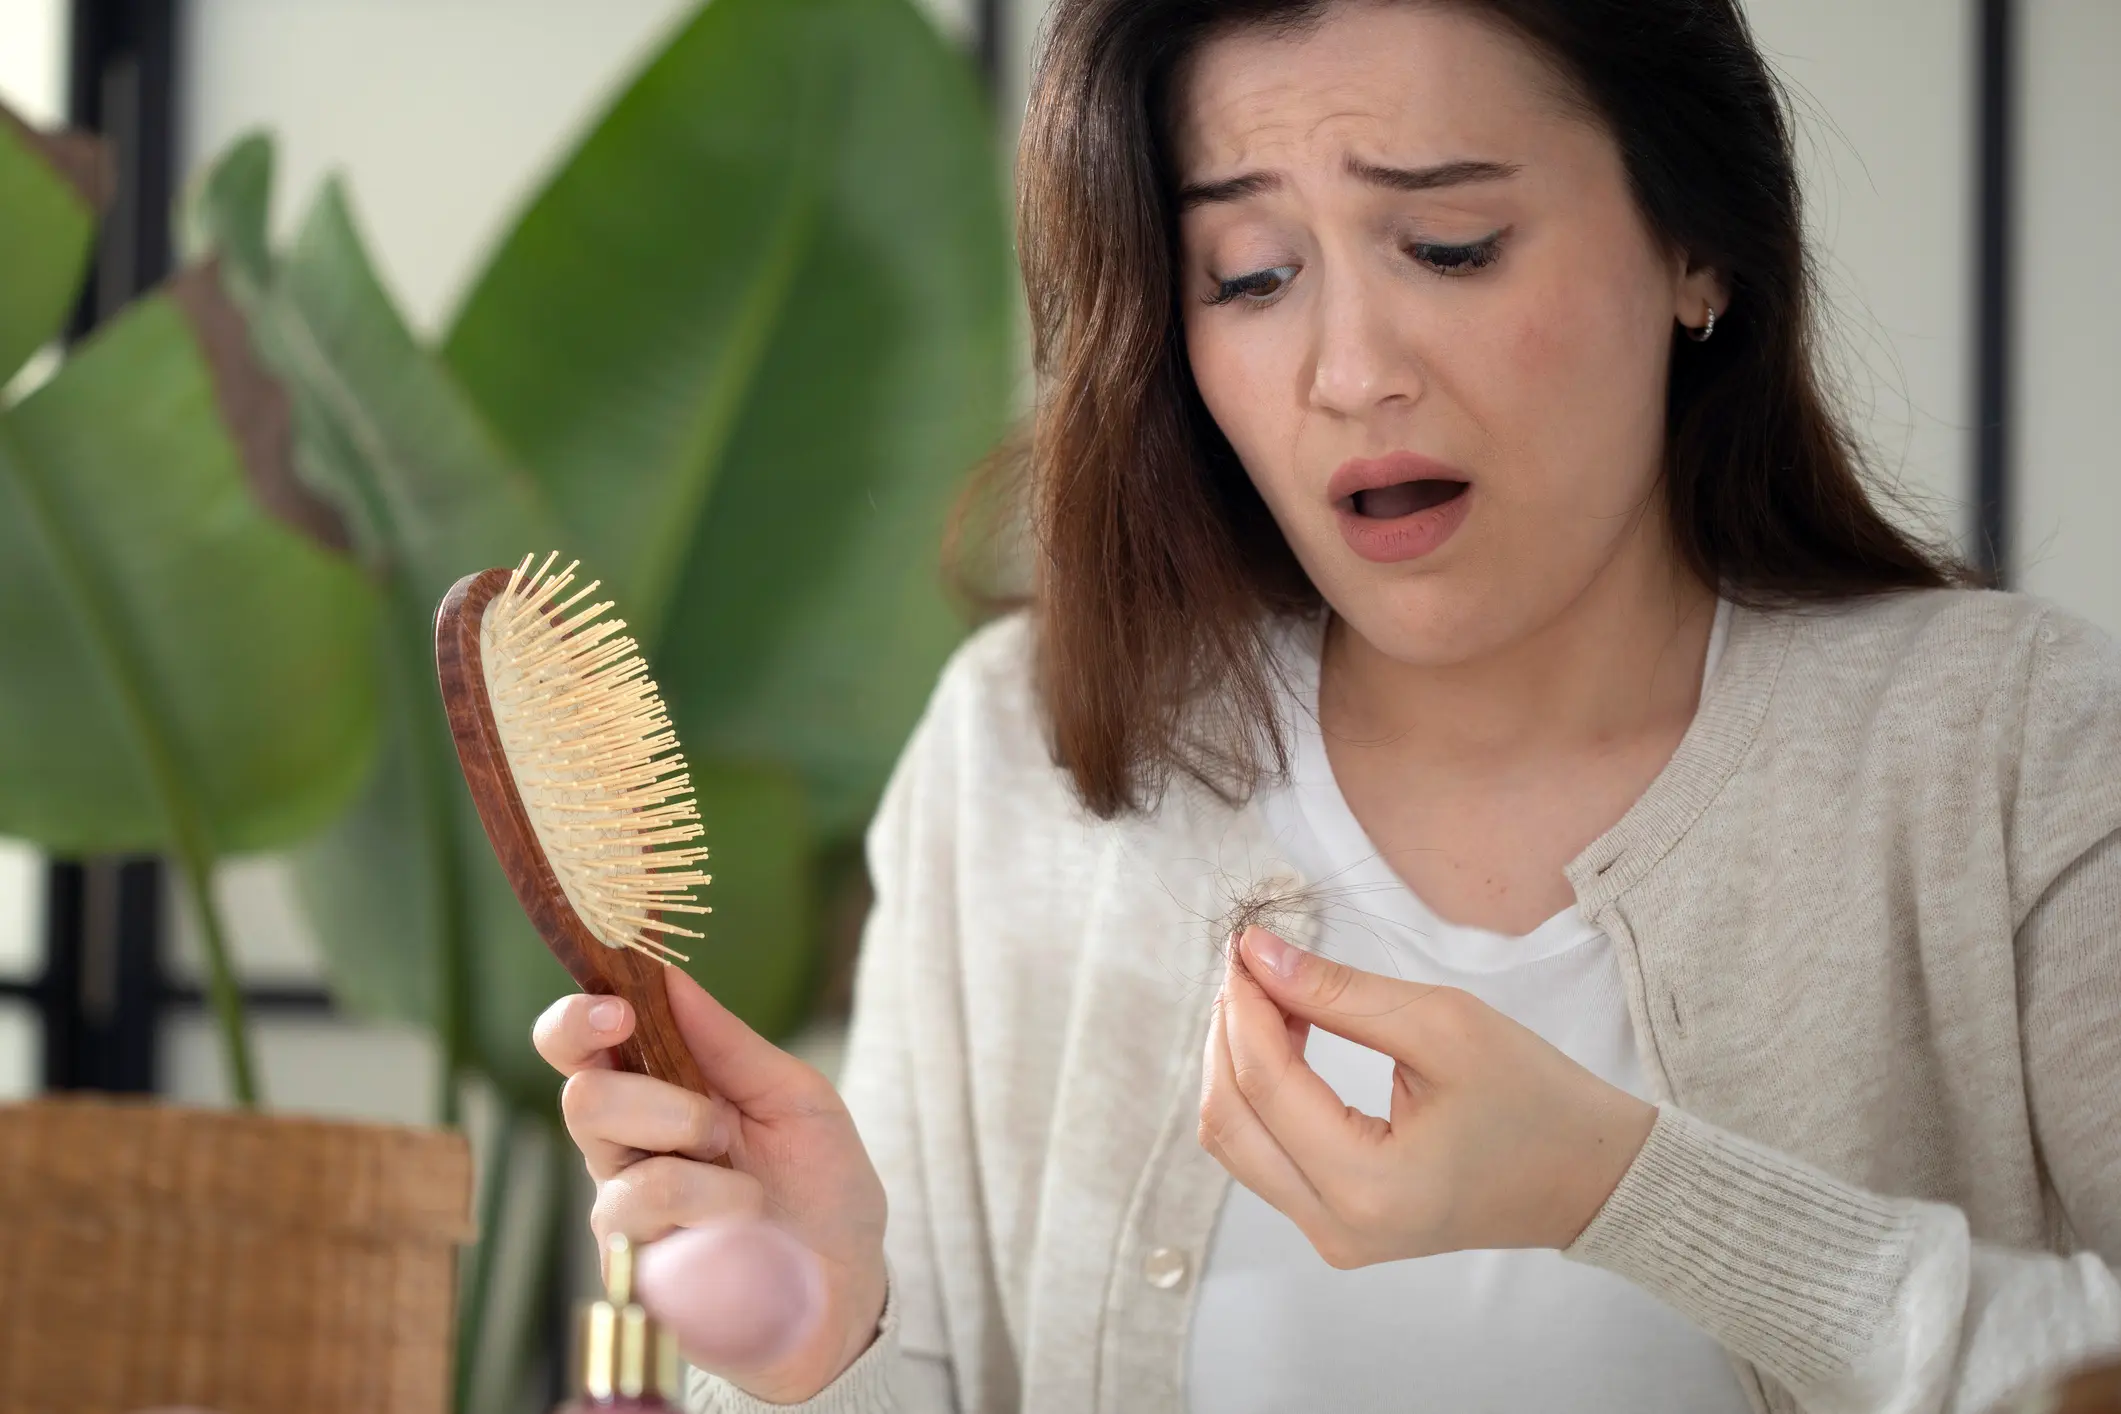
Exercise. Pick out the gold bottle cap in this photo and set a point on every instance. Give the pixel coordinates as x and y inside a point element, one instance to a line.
<point>622,1352</point>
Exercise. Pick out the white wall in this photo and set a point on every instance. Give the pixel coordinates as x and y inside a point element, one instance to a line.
<point>2068,525</point>
<point>33,59</point>
<point>33,84</point>
<point>21,954</point>
<point>1884,105</point>
<point>443,114</point>
<point>307,1063</point>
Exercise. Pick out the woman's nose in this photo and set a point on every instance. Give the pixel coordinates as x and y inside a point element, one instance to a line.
<point>1359,361</point>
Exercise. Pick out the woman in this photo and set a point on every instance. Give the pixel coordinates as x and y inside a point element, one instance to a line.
<point>1447,561</point>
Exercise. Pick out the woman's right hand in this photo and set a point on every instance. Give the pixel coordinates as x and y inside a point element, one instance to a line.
<point>786,1279</point>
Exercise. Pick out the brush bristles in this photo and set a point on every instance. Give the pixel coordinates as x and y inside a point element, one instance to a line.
<point>594,759</point>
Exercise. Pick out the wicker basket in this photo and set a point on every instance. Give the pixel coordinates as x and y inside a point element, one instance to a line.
<point>250,1265</point>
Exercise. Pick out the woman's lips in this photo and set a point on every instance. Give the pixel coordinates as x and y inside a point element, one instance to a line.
<point>1398,507</point>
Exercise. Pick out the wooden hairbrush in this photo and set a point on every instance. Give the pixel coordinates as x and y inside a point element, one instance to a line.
<point>578,779</point>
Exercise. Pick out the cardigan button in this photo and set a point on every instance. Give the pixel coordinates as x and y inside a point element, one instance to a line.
<point>1165,1268</point>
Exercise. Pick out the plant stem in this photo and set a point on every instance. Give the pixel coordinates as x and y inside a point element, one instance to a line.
<point>221,978</point>
<point>478,1282</point>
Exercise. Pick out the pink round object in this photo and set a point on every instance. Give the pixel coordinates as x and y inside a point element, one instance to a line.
<point>738,1294</point>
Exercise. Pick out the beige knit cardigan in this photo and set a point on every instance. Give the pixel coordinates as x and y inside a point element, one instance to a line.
<point>1869,922</point>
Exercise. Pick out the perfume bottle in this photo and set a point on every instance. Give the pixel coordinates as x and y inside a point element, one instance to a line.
<point>624,1362</point>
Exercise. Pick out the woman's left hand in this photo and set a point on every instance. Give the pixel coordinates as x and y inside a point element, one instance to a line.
<point>1496,1139</point>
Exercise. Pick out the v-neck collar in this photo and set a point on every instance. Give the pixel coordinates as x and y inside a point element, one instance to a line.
<point>1733,703</point>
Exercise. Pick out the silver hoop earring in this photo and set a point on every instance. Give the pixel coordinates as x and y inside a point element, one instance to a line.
<point>1701,335</point>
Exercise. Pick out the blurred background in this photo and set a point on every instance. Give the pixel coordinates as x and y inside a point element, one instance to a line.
<point>431,183</point>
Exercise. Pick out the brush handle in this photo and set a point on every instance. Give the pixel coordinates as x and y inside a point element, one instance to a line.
<point>655,1048</point>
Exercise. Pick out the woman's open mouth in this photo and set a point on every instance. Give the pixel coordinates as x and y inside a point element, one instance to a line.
<point>1404,498</point>
<point>1399,506</point>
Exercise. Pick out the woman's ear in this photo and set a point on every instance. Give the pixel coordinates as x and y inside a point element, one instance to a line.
<point>1700,288</point>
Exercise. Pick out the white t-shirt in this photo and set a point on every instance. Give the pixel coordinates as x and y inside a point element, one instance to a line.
<point>1276,1329</point>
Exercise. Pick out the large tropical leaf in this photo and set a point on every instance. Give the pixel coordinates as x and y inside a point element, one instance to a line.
<point>403,890</point>
<point>179,665</point>
<point>749,338</point>
<point>382,427</point>
<point>376,894</point>
<point>416,917</point>
<point>47,221</point>
<point>224,213</point>
<point>756,957</point>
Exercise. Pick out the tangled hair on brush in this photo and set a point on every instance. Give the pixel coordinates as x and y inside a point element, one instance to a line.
<point>1157,567</point>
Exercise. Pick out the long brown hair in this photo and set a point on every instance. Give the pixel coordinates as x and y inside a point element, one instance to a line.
<point>1157,567</point>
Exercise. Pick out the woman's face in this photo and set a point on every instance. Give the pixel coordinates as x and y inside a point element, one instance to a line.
<point>1420,302</point>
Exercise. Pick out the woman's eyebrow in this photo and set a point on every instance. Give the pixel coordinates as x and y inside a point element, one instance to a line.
<point>1194,194</point>
<point>1441,174</point>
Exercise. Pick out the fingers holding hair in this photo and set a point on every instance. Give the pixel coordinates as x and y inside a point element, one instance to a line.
<point>1321,1133</point>
<point>1230,1129</point>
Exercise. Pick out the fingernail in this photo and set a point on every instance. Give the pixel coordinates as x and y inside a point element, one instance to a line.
<point>1272,953</point>
<point>606,1015</point>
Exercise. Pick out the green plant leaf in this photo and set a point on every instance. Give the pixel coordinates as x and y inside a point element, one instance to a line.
<point>368,881</point>
<point>175,659</point>
<point>386,430</point>
<point>415,916</point>
<point>750,338</point>
<point>381,429</point>
<point>384,426</point>
<point>47,195</point>
<point>757,956</point>
<point>780,261</point>
<point>226,211</point>
<point>620,326</point>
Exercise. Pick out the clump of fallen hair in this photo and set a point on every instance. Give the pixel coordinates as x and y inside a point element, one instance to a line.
<point>1263,906</point>
<point>1296,912</point>
<point>1288,910</point>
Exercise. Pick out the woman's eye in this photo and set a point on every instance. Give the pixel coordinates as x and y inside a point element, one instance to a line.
<point>1256,288</point>
<point>1457,259</point>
